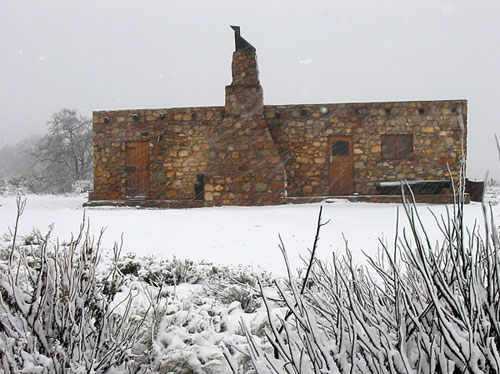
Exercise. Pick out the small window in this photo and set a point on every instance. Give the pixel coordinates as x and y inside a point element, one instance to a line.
<point>340,148</point>
<point>397,147</point>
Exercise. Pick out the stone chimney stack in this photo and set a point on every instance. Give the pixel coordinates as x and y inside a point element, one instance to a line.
<point>244,96</point>
<point>245,166</point>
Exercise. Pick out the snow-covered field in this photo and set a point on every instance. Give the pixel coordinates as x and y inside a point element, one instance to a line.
<point>229,235</point>
<point>192,321</point>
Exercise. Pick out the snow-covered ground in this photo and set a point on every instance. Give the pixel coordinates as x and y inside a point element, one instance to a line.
<point>228,235</point>
<point>193,321</point>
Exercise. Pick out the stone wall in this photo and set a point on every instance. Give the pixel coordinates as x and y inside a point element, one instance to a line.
<point>302,131</point>
<point>244,158</point>
<point>179,143</point>
<point>231,146</point>
<point>253,154</point>
<point>245,167</point>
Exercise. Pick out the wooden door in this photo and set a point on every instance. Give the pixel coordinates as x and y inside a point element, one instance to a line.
<point>341,165</point>
<point>137,164</point>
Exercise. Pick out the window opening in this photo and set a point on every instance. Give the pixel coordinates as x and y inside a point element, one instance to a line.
<point>397,147</point>
<point>340,148</point>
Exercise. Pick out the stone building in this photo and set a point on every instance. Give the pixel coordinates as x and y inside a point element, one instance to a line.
<point>248,153</point>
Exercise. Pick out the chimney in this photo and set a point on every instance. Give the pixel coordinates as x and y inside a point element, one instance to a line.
<point>245,163</point>
<point>245,94</point>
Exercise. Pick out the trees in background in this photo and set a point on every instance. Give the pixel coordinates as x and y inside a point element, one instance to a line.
<point>64,154</point>
<point>16,159</point>
<point>54,162</point>
<point>17,166</point>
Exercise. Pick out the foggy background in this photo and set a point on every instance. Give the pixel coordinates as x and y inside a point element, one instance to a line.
<point>109,54</point>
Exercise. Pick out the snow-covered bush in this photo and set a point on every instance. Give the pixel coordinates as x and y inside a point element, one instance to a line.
<point>82,186</point>
<point>248,297</point>
<point>163,272</point>
<point>189,322</point>
<point>224,283</point>
<point>29,184</point>
<point>57,314</point>
<point>237,284</point>
<point>62,312</point>
<point>492,192</point>
<point>188,337</point>
<point>420,307</point>
<point>19,184</point>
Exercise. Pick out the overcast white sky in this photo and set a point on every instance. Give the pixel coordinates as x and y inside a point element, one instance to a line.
<point>111,54</point>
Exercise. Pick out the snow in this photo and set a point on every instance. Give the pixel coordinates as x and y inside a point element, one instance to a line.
<point>193,323</point>
<point>228,235</point>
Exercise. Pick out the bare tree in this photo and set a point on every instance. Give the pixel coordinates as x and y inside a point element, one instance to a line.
<point>64,154</point>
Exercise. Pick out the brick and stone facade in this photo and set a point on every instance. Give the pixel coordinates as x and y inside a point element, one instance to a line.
<point>302,133</point>
<point>255,154</point>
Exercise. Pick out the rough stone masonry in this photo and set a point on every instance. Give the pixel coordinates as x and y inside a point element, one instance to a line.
<point>249,153</point>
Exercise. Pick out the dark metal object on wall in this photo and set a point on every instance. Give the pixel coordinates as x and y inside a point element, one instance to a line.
<point>199,188</point>
<point>423,187</point>
<point>241,44</point>
<point>475,189</point>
